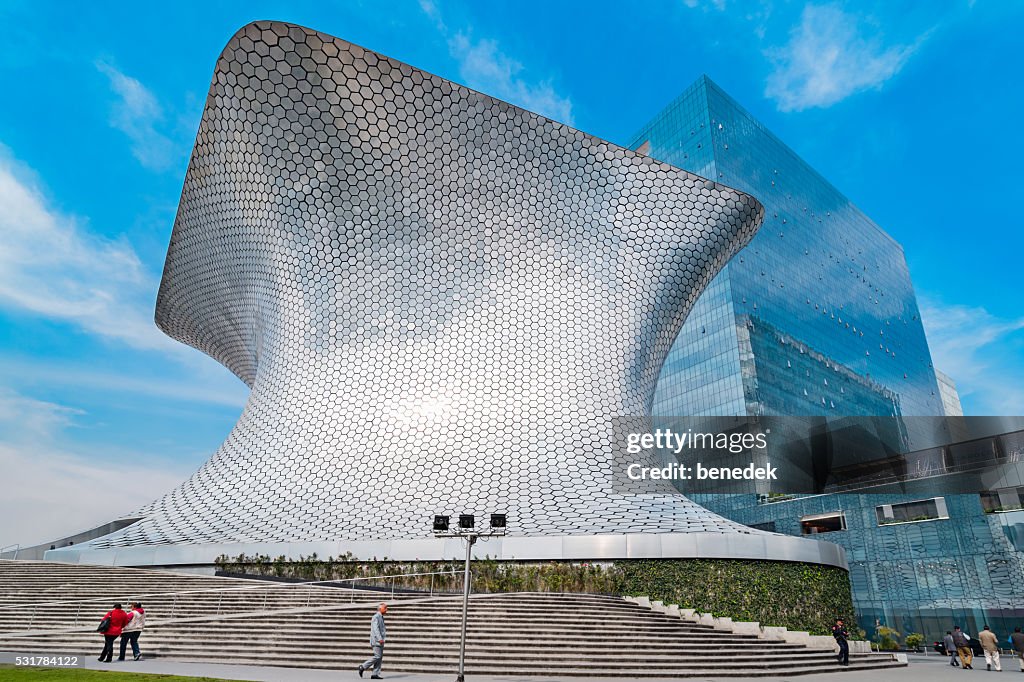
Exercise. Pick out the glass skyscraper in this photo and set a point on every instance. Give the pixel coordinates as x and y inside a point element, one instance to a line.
<point>817,317</point>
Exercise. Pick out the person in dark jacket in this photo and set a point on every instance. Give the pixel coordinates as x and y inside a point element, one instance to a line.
<point>1017,639</point>
<point>118,619</point>
<point>963,648</point>
<point>841,635</point>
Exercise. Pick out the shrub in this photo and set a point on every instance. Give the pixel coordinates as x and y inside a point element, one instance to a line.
<point>887,638</point>
<point>914,640</point>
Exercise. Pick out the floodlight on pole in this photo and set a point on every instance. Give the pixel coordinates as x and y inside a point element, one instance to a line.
<point>466,529</point>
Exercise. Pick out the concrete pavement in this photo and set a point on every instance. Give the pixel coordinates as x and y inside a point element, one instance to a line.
<point>932,668</point>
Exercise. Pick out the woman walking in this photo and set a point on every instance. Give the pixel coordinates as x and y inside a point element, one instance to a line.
<point>130,633</point>
<point>115,619</point>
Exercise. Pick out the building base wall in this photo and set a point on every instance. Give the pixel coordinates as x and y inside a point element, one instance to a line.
<point>756,546</point>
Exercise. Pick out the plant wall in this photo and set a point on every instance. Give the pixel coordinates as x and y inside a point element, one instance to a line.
<point>795,595</point>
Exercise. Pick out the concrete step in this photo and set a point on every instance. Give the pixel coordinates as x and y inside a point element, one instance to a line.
<point>417,608</point>
<point>185,645</point>
<point>432,643</point>
<point>413,613</point>
<point>639,667</point>
<point>271,629</point>
<point>612,659</point>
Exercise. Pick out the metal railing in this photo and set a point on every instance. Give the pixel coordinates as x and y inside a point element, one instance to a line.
<point>385,578</point>
<point>180,595</point>
<point>3,550</point>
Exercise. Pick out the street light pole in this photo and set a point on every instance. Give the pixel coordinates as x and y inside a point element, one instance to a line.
<point>466,586</point>
<point>467,532</point>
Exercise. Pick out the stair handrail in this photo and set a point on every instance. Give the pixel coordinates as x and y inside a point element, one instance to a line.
<point>175,594</point>
<point>352,594</point>
<point>17,548</point>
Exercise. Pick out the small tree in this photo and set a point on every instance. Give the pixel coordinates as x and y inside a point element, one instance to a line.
<point>914,641</point>
<point>887,638</point>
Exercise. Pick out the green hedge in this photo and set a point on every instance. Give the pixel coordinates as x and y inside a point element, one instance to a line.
<point>798,596</point>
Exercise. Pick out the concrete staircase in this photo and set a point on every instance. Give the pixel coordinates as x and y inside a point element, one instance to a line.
<point>41,594</point>
<point>227,620</point>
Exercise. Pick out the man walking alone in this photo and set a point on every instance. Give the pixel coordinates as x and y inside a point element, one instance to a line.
<point>990,645</point>
<point>378,635</point>
<point>839,632</point>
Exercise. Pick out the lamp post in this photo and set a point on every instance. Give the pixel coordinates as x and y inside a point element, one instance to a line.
<point>467,530</point>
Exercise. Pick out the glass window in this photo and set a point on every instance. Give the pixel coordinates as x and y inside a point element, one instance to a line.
<point>910,512</point>
<point>769,498</point>
<point>1002,500</point>
<point>766,525</point>
<point>823,523</point>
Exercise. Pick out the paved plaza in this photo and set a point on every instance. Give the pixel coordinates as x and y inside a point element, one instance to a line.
<point>932,668</point>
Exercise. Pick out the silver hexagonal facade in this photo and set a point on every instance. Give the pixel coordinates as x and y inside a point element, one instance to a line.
<point>440,302</point>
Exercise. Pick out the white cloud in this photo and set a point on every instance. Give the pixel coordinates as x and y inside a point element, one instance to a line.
<point>431,10</point>
<point>829,57</point>
<point>209,383</point>
<point>137,113</point>
<point>36,420</point>
<point>718,5</point>
<point>50,265</point>
<point>47,491</point>
<point>981,352</point>
<point>484,67</point>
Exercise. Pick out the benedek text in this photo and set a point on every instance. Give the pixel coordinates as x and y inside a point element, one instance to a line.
<point>637,472</point>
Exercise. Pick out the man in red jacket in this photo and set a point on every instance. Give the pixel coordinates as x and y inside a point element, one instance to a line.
<point>118,619</point>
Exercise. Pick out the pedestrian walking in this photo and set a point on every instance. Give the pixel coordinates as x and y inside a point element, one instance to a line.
<point>963,648</point>
<point>130,632</point>
<point>841,635</point>
<point>990,646</point>
<point>1017,639</point>
<point>378,635</point>
<point>111,627</point>
<point>947,642</point>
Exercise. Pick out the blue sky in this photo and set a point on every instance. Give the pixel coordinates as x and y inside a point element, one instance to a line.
<point>911,109</point>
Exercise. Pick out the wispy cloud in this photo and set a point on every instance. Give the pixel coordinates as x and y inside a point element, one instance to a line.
<point>982,352</point>
<point>51,265</point>
<point>207,384</point>
<point>485,67</point>
<point>831,55</point>
<point>431,9</point>
<point>137,114</point>
<point>718,5</point>
<point>36,420</point>
<point>51,491</point>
